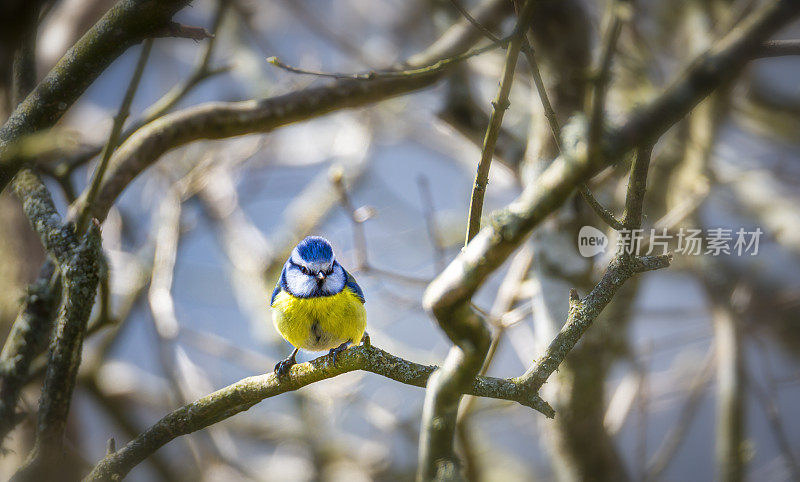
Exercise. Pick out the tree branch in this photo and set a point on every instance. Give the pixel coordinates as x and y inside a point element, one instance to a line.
<point>597,119</point>
<point>116,130</point>
<point>582,313</point>
<point>778,48</point>
<point>218,120</point>
<point>80,276</point>
<point>201,72</point>
<point>27,339</point>
<point>175,29</point>
<point>245,393</point>
<point>549,113</point>
<point>437,66</point>
<point>464,326</point>
<point>32,147</point>
<point>448,296</point>
<point>499,106</point>
<point>622,267</point>
<point>127,23</point>
<point>602,77</point>
<point>58,239</point>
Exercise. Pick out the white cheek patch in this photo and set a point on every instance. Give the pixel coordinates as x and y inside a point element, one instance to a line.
<point>335,282</point>
<point>300,284</point>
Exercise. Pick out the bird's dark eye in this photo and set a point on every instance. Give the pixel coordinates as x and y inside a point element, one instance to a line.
<point>329,272</point>
<point>304,270</point>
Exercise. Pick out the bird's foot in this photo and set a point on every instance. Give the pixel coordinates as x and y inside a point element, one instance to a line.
<point>365,340</point>
<point>282,367</point>
<point>337,350</point>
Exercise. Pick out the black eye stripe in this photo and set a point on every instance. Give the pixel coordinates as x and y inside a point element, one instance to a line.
<point>303,269</point>
<point>309,272</point>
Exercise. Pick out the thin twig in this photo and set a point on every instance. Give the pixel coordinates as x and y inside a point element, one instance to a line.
<point>528,51</point>
<point>371,75</point>
<point>218,120</point>
<point>602,78</point>
<point>430,222</point>
<point>486,32</point>
<point>499,106</point>
<point>202,71</point>
<point>660,460</point>
<point>179,30</point>
<point>597,119</point>
<point>113,138</point>
<point>359,237</point>
<point>536,75</point>
<point>601,211</point>
<point>549,112</point>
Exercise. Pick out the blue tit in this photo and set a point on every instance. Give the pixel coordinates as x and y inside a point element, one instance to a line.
<point>316,304</point>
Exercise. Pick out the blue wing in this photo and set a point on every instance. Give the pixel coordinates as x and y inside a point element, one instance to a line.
<point>278,286</point>
<point>275,293</point>
<point>353,285</point>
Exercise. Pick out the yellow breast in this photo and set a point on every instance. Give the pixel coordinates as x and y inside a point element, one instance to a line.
<point>319,323</point>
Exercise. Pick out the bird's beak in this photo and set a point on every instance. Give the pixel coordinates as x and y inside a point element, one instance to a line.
<point>320,276</point>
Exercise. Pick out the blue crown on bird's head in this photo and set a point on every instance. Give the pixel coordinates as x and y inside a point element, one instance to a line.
<point>315,249</point>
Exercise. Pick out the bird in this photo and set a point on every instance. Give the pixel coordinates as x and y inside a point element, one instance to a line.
<point>317,305</point>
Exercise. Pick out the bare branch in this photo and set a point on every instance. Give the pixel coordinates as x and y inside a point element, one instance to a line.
<point>499,106</point>
<point>434,67</point>
<point>583,312</point>
<point>127,23</point>
<point>622,267</point>
<point>245,393</point>
<point>80,283</point>
<point>597,119</point>
<point>27,339</point>
<point>218,120</point>
<point>202,71</point>
<point>601,211</point>
<point>179,30</point>
<point>58,239</point>
<point>464,326</point>
<point>116,130</point>
<point>33,325</point>
<point>602,77</point>
<point>486,32</point>
<point>448,297</point>
<point>778,48</point>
